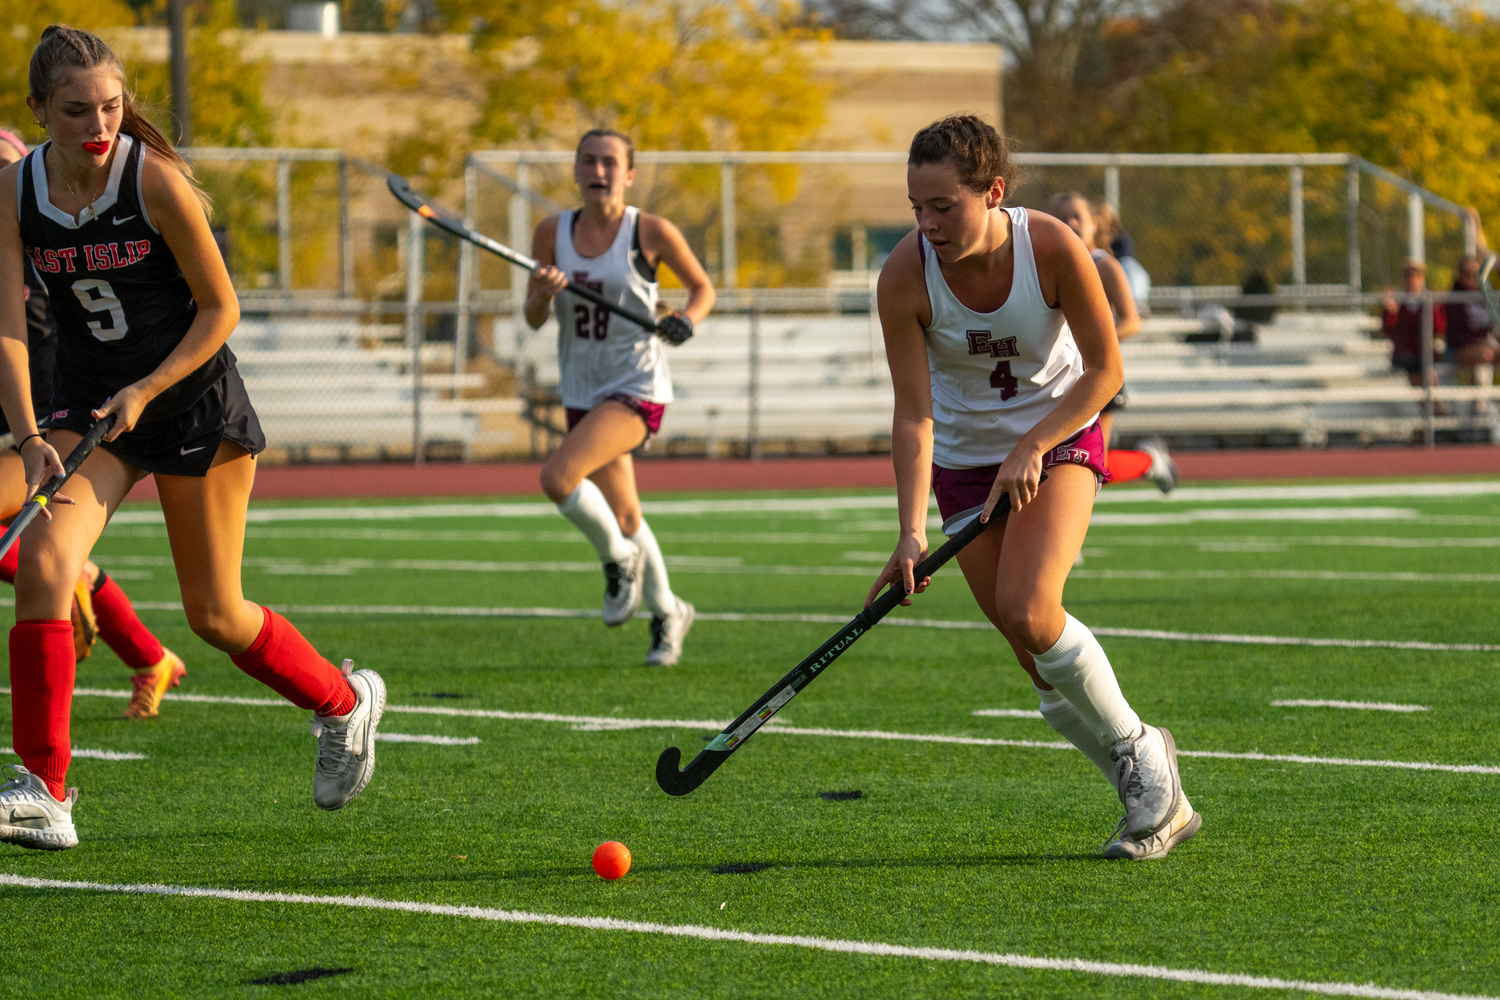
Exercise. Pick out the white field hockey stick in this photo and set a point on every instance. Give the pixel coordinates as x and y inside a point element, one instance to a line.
<point>44,496</point>
<point>674,329</point>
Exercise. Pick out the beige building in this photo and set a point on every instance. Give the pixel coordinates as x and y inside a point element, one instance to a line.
<point>358,91</point>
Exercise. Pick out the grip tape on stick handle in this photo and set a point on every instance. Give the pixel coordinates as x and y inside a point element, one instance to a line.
<point>44,496</point>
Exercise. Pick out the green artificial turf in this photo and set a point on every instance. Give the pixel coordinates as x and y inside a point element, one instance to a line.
<point>1323,872</point>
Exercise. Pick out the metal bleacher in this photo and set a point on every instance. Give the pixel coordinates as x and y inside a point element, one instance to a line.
<point>343,385</point>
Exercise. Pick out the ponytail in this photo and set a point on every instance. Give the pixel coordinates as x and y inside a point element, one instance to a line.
<point>63,48</point>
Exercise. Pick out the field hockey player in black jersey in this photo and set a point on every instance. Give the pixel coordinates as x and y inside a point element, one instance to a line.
<point>108,214</point>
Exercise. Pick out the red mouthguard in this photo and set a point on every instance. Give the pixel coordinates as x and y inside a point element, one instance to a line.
<point>97,148</point>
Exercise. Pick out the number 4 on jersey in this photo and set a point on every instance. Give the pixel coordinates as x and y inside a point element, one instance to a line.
<point>1002,379</point>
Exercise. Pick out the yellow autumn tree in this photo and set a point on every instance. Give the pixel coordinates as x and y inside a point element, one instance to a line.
<point>26,19</point>
<point>672,75</point>
<point>1409,87</point>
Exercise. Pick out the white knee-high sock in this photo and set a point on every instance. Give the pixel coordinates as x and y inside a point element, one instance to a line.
<point>656,592</point>
<point>1484,375</point>
<point>1065,719</point>
<point>1077,666</point>
<point>587,508</point>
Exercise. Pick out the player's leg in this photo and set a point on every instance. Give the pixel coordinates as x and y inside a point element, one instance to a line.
<point>35,809</point>
<point>980,563</point>
<point>604,434</point>
<point>206,528</point>
<point>1038,552</point>
<point>12,496</point>
<point>154,668</point>
<point>671,616</point>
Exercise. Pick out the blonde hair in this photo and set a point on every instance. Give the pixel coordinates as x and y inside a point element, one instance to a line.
<point>1106,225</point>
<point>62,49</point>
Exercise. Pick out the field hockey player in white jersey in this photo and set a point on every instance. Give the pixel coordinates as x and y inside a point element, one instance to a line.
<point>993,390</point>
<point>614,381</point>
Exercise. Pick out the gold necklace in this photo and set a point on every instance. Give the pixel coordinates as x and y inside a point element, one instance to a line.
<point>88,202</point>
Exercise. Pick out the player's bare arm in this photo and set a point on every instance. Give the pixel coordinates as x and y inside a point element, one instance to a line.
<point>901,294</point>
<point>42,462</point>
<point>1070,282</point>
<point>546,281</point>
<point>664,243</point>
<point>175,209</point>
<point>1121,300</point>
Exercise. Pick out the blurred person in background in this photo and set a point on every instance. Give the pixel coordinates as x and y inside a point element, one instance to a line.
<point>1401,323</point>
<point>1152,461</point>
<point>1115,238</point>
<point>1470,327</point>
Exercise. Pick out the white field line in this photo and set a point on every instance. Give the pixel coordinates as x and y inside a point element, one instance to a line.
<point>1222,514</point>
<point>792,505</point>
<point>1369,706</point>
<point>710,616</point>
<point>1282,574</point>
<point>89,754</point>
<point>610,723</point>
<point>1009,713</point>
<point>700,933</point>
<point>445,741</point>
<point>843,536</point>
<point>1279,543</point>
<point>1332,491</point>
<point>730,566</point>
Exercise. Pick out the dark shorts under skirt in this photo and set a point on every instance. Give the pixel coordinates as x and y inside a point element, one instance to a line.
<point>962,493</point>
<point>649,412</point>
<point>183,444</point>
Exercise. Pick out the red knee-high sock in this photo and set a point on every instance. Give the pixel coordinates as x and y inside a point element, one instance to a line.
<point>121,629</point>
<point>1126,465</point>
<point>41,685</point>
<point>284,661</point>
<point>9,562</point>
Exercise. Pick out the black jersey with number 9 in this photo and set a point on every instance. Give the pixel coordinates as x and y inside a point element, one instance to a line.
<point>119,298</point>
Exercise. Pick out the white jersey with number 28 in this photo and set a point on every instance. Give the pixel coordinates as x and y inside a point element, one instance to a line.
<point>599,353</point>
<point>995,375</point>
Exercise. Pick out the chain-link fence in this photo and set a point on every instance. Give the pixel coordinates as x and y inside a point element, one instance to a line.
<point>368,334</point>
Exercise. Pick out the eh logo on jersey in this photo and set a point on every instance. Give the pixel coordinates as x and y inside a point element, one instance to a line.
<point>980,343</point>
<point>97,257</point>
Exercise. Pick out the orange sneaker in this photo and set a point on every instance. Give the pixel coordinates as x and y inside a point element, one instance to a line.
<point>150,684</point>
<point>85,623</point>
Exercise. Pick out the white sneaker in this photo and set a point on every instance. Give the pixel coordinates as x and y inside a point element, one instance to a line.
<point>31,817</point>
<point>1184,823</point>
<point>1163,471</point>
<point>346,743</point>
<point>622,587</point>
<point>1158,816</point>
<point>667,632</point>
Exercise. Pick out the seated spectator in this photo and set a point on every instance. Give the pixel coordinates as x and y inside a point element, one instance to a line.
<point>1402,323</point>
<point>1471,329</point>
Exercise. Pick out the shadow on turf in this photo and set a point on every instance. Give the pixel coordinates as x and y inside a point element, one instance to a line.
<point>299,976</point>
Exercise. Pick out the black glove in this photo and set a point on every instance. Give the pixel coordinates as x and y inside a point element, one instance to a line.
<point>674,329</point>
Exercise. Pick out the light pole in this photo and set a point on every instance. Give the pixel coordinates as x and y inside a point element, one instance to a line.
<point>181,104</point>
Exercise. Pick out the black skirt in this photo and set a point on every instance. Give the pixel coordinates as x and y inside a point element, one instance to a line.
<point>183,444</point>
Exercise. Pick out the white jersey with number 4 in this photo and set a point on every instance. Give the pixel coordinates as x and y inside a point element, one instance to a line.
<point>995,375</point>
<point>599,353</point>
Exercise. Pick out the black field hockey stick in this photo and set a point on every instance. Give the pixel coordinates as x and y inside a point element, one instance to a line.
<point>44,495</point>
<point>423,206</point>
<point>675,782</point>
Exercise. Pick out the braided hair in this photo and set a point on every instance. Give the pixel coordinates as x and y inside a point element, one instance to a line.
<point>62,49</point>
